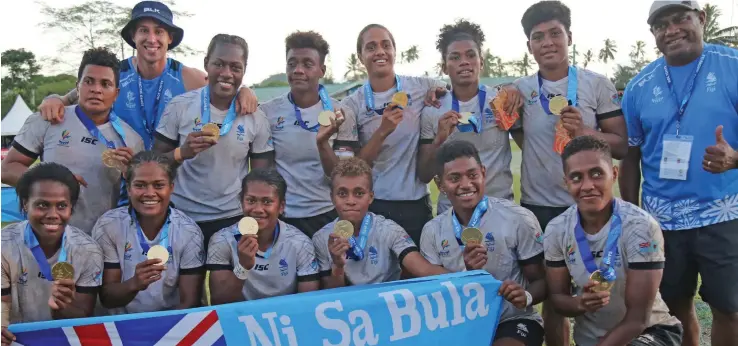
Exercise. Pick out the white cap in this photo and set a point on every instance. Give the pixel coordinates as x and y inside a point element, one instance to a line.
<point>659,7</point>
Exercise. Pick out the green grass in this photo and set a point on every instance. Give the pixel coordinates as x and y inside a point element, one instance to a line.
<point>703,310</point>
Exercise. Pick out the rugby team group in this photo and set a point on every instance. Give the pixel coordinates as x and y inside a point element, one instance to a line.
<point>153,173</point>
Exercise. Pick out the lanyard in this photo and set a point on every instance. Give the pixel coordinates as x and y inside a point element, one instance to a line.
<point>611,246</point>
<point>265,254</point>
<point>95,132</point>
<point>164,239</point>
<point>357,248</point>
<point>475,122</point>
<point>690,89</point>
<point>43,265</point>
<point>369,96</point>
<point>476,218</point>
<point>230,117</point>
<point>150,126</point>
<point>327,106</point>
<point>571,89</point>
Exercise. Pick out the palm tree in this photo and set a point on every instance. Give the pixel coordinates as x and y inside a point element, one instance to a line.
<point>588,57</point>
<point>523,65</point>
<point>354,69</point>
<point>713,33</point>
<point>410,55</point>
<point>638,55</point>
<point>607,53</point>
<point>498,68</point>
<point>489,61</point>
<point>573,54</point>
<point>438,69</point>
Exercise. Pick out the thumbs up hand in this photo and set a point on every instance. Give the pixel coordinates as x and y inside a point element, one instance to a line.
<point>721,156</point>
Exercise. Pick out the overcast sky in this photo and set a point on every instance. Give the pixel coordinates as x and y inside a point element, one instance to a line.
<point>265,24</point>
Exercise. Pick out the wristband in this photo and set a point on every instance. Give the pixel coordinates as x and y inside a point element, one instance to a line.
<point>240,272</point>
<point>528,299</point>
<point>178,155</point>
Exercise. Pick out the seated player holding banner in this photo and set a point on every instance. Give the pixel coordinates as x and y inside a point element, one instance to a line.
<point>261,256</point>
<point>612,252</point>
<point>491,234</point>
<point>51,270</point>
<point>153,253</point>
<point>361,247</point>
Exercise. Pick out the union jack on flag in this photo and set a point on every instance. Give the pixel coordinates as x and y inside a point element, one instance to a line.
<point>195,328</point>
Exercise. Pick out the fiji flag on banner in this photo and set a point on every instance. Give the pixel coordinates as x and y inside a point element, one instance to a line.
<point>194,328</point>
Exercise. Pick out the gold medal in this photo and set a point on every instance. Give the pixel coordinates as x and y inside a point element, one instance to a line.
<point>158,251</point>
<point>602,285</point>
<point>556,104</point>
<point>400,98</point>
<point>108,159</point>
<point>212,130</point>
<point>62,270</point>
<point>465,117</point>
<point>344,229</point>
<point>471,235</point>
<point>248,226</point>
<point>324,118</point>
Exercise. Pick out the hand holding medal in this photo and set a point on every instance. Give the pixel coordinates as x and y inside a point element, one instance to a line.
<point>195,143</point>
<point>248,245</point>
<point>149,271</point>
<point>62,290</point>
<point>475,255</point>
<point>117,158</point>
<point>330,122</point>
<point>591,300</point>
<point>338,242</point>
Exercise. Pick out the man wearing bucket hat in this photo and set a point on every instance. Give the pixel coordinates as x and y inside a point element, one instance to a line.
<point>682,136</point>
<point>149,80</point>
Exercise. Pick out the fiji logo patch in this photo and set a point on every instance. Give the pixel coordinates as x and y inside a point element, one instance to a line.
<point>373,255</point>
<point>279,126</point>
<point>283,267</point>
<point>648,247</point>
<point>23,277</point>
<point>240,133</point>
<point>489,241</point>
<point>533,98</point>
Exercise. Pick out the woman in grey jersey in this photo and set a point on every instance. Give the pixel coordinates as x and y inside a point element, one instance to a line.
<point>50,270</point>
<point>387,110</point>
<point>511,246</point>
<point>612,252</point>
<point>278,260</point>
<point>377,249</point>
<point>133,281</point>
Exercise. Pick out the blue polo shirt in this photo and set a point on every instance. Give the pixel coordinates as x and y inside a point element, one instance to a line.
<point>651,112</point>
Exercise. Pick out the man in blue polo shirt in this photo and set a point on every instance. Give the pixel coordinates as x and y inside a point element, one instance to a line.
<point>683,131</point>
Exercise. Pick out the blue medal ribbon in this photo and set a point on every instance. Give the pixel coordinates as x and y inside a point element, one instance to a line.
<point>96,133</point>
<point>475,220</point>
<point>230,117</point>
<point>151,121</point>
<point>163,240</point>
<point>611,246</point>
<point>571,90</point>
<point>327,106</point>
<point>265,254</point>
<point>475,121</point>
<point>357,247</point>
<point>690,89</point>
<point>29,238</point>
<point>369,96</point>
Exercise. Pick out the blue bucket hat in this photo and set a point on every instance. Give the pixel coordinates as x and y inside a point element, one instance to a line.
<point>157,11</point>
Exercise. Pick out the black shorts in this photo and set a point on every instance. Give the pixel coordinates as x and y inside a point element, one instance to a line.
<point>544,214</point>
<point>410,215</point>
<point>310,225</point>
<point>209,228</point>
<point>527,331</point>
<point>659,335</point>
<point>710,251</point>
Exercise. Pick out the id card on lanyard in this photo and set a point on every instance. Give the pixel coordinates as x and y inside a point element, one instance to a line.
<point>677,149</point>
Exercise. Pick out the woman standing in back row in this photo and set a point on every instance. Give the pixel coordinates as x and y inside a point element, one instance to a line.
<point>389,130</point>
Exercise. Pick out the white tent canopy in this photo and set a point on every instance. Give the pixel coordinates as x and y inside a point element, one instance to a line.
<point>16,117</point>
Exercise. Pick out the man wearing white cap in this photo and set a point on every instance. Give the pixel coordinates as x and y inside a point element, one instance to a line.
<point>682,134</point>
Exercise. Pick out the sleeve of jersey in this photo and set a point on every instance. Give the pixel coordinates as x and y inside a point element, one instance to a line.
<point>428,244</point>
<point>608,102</point>
<point>398,239</point>
<point>90,277</point>
<point>104,235</point>
<point>644,244</point>
<point>552,246</point>
<point>30,139</point>
<point>192,260</point>
<point>348,133</point>
<point>320,244</point>
<point>220,256</point>
<point>262,134</point>
<point>6,275</point>
<point>307,264</point>
<point>632,119</point>
<point>168,128</point>
<point>428,123</point>
<point>530,240</point>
